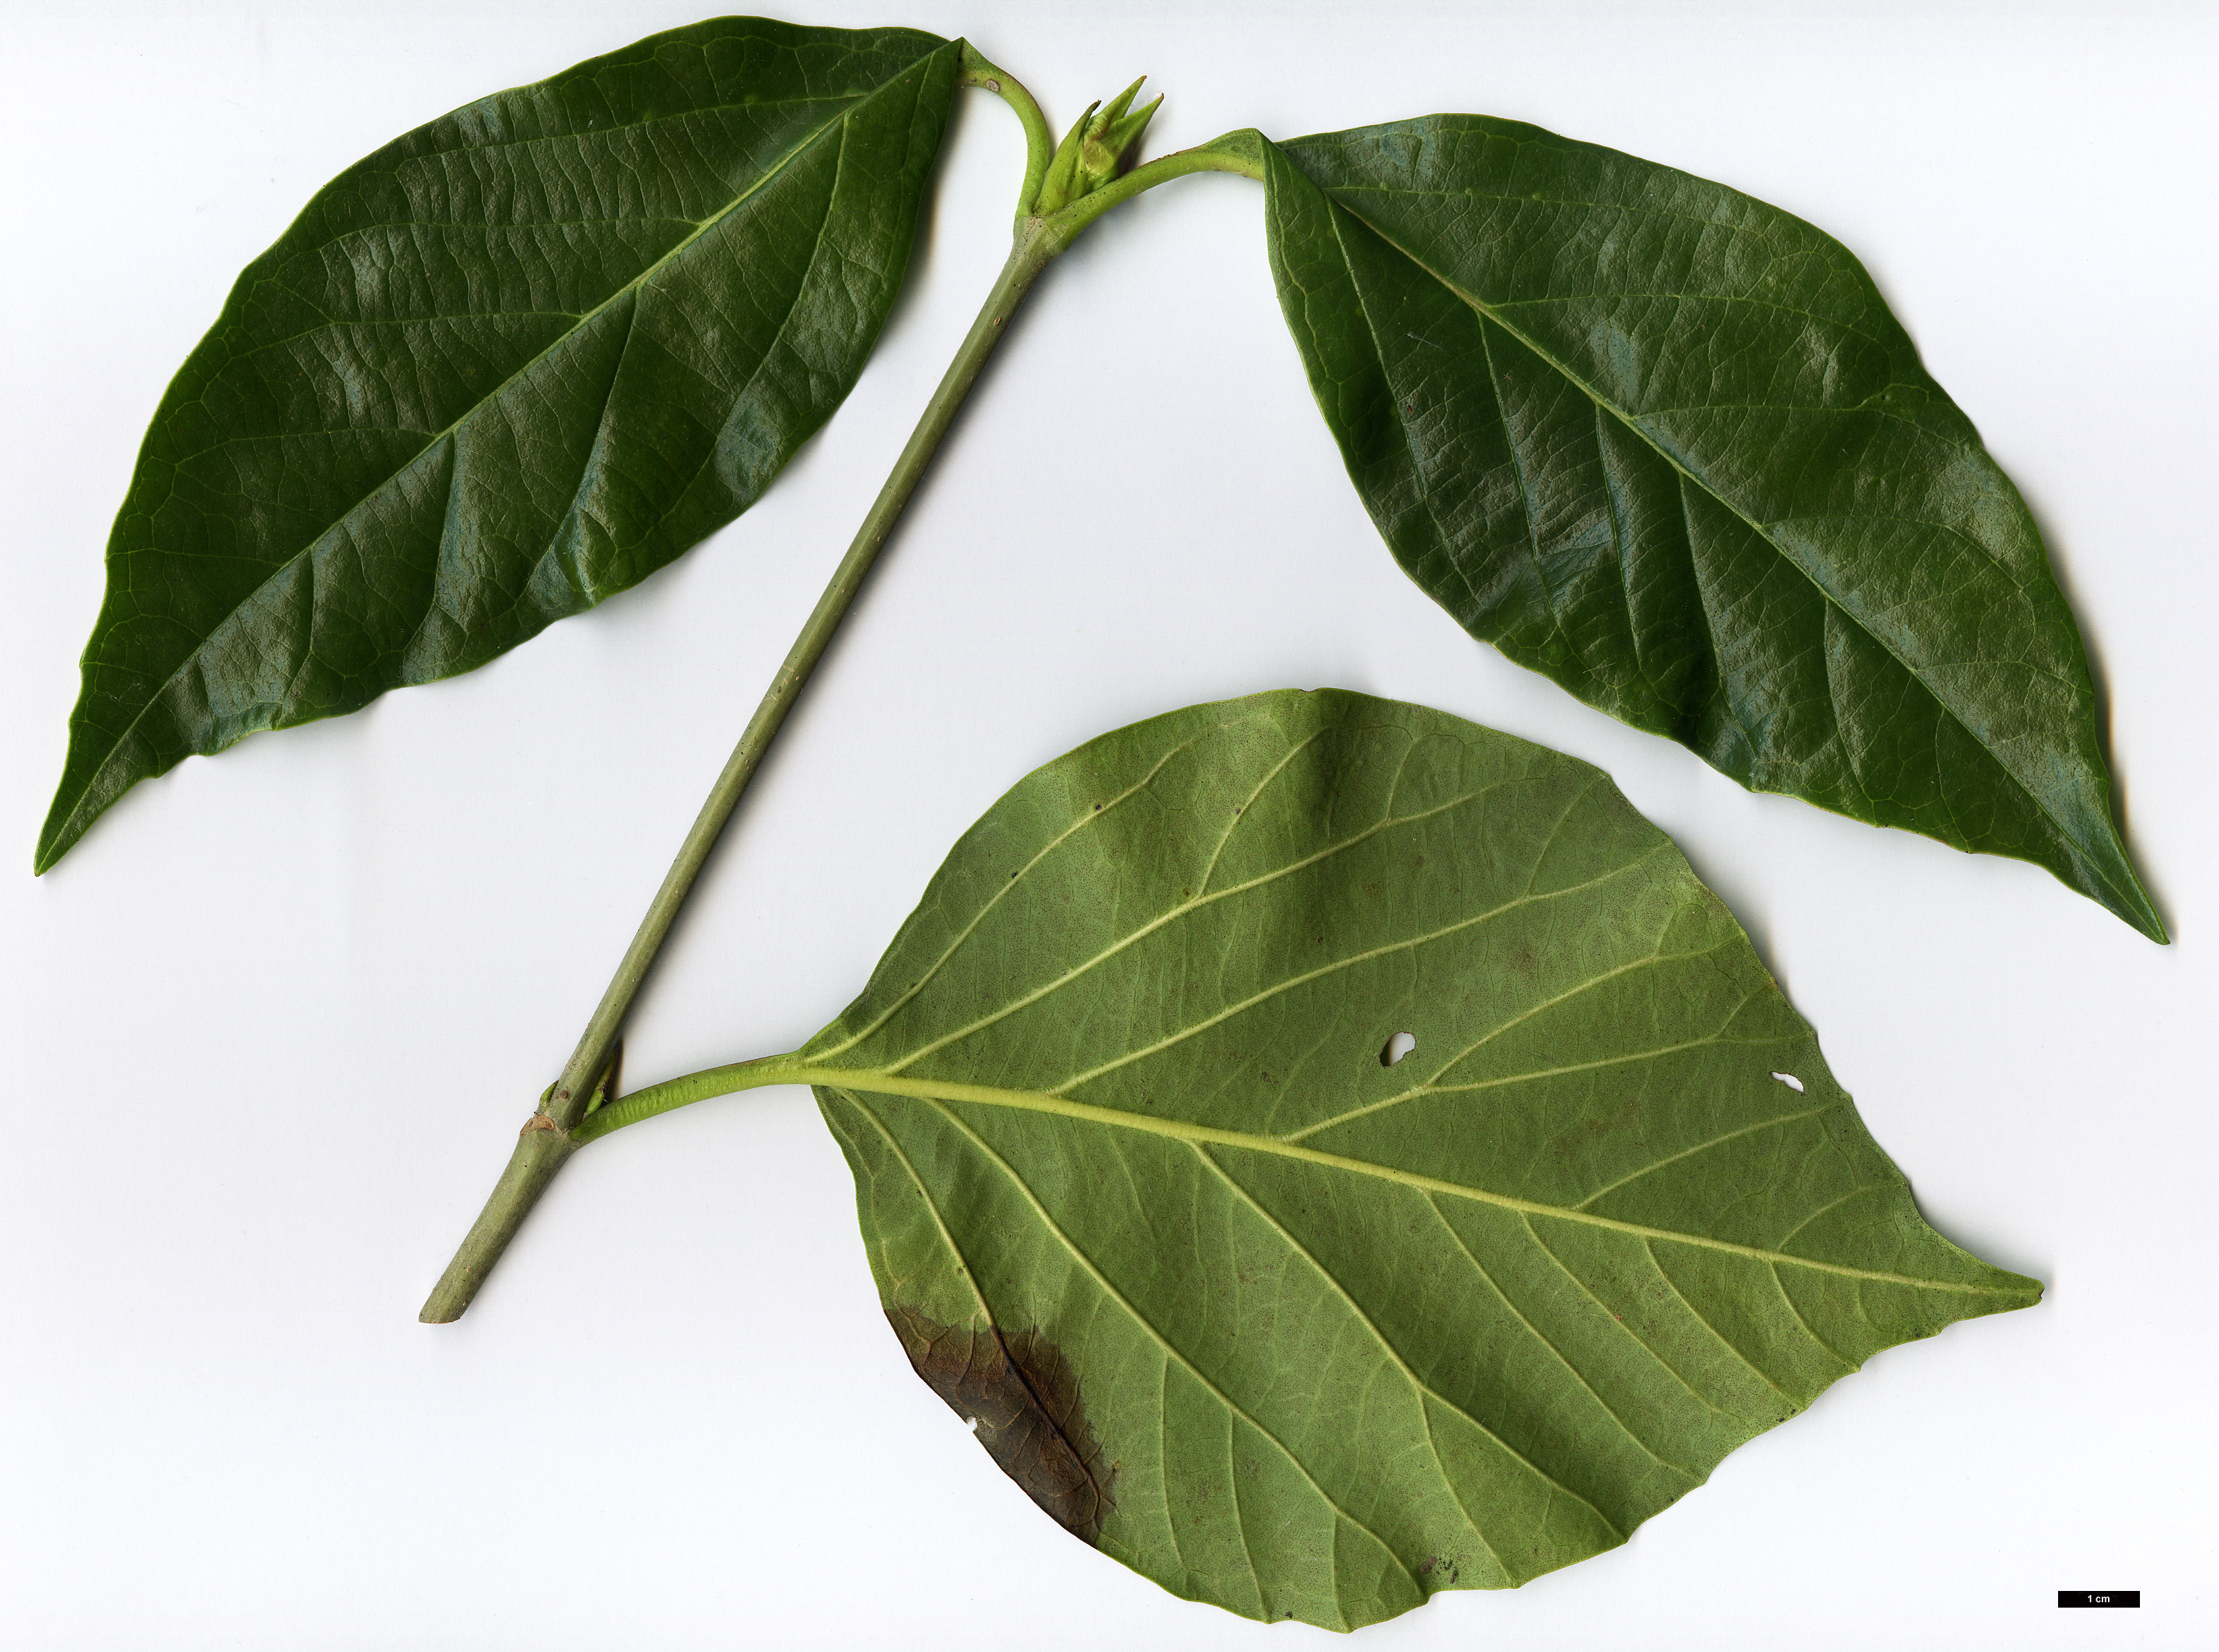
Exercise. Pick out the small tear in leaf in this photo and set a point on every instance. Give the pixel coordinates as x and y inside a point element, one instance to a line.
<point>1401,1044</point>
<point>1791,1081</point>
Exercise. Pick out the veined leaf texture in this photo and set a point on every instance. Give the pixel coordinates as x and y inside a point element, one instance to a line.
<point>507,366</point>
<point>1291,1329</point>
<point>1666,444</point>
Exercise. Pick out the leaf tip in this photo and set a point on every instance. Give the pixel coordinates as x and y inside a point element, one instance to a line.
<point>2142,914</point>
<point>56,838</point>
<point>2113,886</point>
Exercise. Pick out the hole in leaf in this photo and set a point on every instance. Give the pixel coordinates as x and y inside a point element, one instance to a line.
<point>1396,1048</point>
<point>1791,1081</point>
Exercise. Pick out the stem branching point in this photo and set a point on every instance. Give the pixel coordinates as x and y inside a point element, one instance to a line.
<point>1097,146</point>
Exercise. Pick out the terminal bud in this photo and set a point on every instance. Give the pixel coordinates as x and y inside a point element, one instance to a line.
<point>1099,148</point>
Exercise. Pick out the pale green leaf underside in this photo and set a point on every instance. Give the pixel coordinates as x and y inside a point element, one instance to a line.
<point>1291,1330</point>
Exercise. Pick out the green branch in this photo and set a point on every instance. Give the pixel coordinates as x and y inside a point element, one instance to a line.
<point>546,1141</point>
<point>561,1124</point>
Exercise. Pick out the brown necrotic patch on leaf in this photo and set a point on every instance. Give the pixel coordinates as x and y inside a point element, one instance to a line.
<point>1023,1395</point>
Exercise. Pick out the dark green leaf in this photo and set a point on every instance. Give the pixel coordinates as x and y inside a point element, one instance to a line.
<point>1667,445</point>
<point>508,365</point>
<point>1294,1331</point>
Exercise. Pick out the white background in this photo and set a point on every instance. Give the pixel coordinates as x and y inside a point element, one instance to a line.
<point>268,1033</point>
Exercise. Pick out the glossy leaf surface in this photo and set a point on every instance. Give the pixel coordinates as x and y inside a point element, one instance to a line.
<point>507,366</point>
<point>1666,444</point>
<point>1300,1332</point>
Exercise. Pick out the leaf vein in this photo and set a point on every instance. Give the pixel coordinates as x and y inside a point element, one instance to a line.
<point>1833,599</point>
<point>1332,968</point>
<point>1002,890</point>
<point>1725,1341</point>
<point>1172,913</point>
<point>1612,1318</point>
<point>1170,1349</point>
<point>431,446</point>
<point>886,1082</point>
<point>1549,1342</point>
<point>1705,1147</point>
<point>1424,1390</point>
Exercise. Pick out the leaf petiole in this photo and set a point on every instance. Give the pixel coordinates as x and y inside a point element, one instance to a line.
<point>1241,152</point>
<point>552,1133</point>
<point>546,1141</point>
<point>711,1082</point>
<point>981,72</point>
